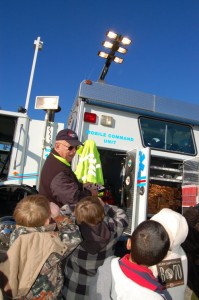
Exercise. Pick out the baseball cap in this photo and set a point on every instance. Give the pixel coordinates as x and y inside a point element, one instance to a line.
<point>69,136</point>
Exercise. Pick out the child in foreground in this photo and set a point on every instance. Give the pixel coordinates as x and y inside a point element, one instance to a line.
<point>172,271</point>
<point>130,278</point>
<point>101,225</point>
<point>33,266</point>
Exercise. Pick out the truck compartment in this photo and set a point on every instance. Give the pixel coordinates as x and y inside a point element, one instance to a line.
<point>165,187</point>
<point>112,165</point>
<point>165,181</point>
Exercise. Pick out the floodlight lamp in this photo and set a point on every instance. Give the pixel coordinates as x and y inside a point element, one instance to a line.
<point>103,54</point>
<point>118,60</point>
<point>107,44</point>
<point>47,102</point>
<point>122,50</point>
<point>111,34</point>
<point>125,41</point>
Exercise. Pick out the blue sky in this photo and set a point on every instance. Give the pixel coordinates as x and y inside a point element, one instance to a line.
<point>163,58</point>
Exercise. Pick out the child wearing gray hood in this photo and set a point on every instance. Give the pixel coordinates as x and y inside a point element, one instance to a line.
<point>172,271</point>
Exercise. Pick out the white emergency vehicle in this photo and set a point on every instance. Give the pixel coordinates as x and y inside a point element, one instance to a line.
<point>148,146</point>
<point>24,145</point>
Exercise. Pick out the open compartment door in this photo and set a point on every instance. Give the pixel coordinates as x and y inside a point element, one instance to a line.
<point>135,187</point>
<point>190,183</point>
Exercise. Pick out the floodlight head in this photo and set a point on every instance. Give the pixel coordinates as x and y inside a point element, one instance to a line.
<point>107,44</point>
<point>122,50</point>
<point>47,102</point>
<point>118,60</point>
<point>125,41</point>
<point>111,35</point>
<point>102,54</point>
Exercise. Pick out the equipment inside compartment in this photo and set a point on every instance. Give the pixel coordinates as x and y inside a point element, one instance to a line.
<point>161,196</point>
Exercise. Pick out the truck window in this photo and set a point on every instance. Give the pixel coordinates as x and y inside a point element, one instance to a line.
<point>7,129</point>
<point>167,136</point>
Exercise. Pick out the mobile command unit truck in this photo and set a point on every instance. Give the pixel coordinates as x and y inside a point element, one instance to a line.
<point>148,147</point>
<point>24,145</point>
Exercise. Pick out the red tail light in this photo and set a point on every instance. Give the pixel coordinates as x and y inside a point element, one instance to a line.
<point>90,117</point>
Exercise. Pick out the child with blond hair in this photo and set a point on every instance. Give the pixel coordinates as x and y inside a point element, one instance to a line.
<point>38,246</point>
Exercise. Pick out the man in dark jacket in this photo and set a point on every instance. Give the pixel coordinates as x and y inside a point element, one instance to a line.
<point>191,248</point>
<point>58,182</point>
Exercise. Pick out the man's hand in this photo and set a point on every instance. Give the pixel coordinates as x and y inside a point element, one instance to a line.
<point>92,187</point>
<point>54,208</point>
<point>94,192</point>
